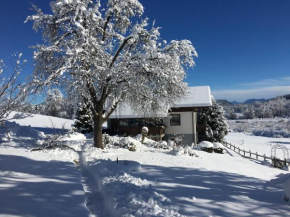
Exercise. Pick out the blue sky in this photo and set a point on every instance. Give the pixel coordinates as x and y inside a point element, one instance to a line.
<point>243,45</point>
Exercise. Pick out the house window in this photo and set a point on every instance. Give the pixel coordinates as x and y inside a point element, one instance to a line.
<point>175,120</point>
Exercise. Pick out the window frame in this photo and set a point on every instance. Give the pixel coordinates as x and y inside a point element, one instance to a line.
<point>177,124</point>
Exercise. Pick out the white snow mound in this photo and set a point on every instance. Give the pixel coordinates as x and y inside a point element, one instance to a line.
<point>205,144</point>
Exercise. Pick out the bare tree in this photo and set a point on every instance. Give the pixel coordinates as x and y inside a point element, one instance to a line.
<point>13,93</point>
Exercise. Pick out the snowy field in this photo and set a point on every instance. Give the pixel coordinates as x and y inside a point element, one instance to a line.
<point>40,121</point>
<point>148,182</point>
<point>260,144</point>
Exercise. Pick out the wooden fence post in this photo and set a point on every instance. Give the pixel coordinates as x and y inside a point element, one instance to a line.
<point>234,148</point>
<point>244,152</point>
<point>257,155</point>
<point>250,154</point>
<point>264,157</point>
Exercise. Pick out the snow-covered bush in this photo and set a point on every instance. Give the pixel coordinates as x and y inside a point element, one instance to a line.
<point>161,145</point>
<point>206,146</point>
<point>216,127</point>
<point>180,151</point>
<point>218,147</point>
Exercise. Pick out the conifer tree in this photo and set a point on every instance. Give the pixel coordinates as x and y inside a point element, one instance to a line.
<point>216,127</point>
<point>83,122</point>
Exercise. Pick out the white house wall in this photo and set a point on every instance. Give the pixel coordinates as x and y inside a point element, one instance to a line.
<point>185,124</point>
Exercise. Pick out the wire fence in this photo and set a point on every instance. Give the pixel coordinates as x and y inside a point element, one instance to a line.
<point>276,162</point>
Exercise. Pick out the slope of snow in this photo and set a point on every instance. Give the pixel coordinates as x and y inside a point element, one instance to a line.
<point>260,144</point>
<point>41,121</point>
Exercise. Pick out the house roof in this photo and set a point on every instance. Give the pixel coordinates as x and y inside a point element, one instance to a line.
<point>197,98</point>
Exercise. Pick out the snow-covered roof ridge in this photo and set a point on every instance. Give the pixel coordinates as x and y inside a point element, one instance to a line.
<point>198,97</point>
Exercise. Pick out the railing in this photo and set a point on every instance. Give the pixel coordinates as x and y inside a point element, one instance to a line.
<point>276,162</point>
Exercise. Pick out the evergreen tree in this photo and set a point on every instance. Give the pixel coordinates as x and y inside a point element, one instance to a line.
<point>216,127</point>
<point>83,122</point>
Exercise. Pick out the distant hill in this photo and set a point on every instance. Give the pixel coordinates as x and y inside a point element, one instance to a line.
<point>287,96</point>
<point>224,102</point>
<point>235,103</point>
<point>251,101</point>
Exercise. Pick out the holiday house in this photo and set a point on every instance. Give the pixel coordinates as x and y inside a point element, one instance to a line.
<point>179,120</point>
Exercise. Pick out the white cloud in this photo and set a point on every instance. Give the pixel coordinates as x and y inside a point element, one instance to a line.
<point>283,81</point>
<point>257,93</point>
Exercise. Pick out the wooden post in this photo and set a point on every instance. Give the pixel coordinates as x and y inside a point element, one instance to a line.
<point>264,157</point>
<point>234,148</point>
<point>194,121</point>
<point>285,162</point>
<point>244,152</point>
<point>250,153</point>
<point>257,155</point>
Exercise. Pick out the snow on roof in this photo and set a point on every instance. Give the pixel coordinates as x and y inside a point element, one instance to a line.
<point>198,97</point>
<point>125,111</point>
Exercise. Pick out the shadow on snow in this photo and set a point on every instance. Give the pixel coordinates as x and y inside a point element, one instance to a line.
<point>39,188</point>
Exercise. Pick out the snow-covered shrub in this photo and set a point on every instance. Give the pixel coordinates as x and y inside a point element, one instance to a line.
<point>216,127</point>
<point>129,143</point>
<point>206,146</point>
<point>218,147</point>
<point>180,151</point>
<point>161,145</point>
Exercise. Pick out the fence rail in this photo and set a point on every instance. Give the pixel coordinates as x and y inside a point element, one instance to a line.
<point>276,162</point>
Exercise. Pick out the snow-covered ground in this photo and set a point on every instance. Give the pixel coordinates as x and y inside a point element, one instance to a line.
<point>148,182</point>
<point>260,144</point>
<point>38,184</point>
<point>40,121</point>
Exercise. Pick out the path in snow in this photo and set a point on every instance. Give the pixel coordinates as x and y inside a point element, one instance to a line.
<point>31,184</point>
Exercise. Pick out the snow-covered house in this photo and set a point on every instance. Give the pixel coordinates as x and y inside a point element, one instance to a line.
<point>179,120</point>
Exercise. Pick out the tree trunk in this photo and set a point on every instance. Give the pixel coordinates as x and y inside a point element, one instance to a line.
<point>98,137</point>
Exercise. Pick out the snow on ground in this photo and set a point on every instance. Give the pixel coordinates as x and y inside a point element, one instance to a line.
<point>260,144</point>
<point>41,121</point>
<point>37,184</point>
<point>148,182</point>
<point>168,185</point>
